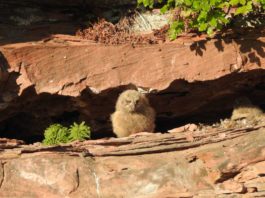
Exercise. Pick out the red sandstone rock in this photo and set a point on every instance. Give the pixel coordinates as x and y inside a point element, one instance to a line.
<point>78,170</point>
<point>43,77</point>
<point>183,79</point>
<point>68,66</point>
<point>177,130</point>
<point>230,186</point>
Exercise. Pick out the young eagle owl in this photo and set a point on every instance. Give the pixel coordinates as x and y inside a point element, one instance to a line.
<point>133,114</point>
<point>243,108</point>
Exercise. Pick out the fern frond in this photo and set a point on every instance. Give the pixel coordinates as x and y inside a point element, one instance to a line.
<point>56,134</point>
<point>79,132</point>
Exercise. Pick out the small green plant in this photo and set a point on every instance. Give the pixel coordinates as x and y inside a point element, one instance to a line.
<point>56,133</point>
<point>79,132</point>
<point>204,15</point>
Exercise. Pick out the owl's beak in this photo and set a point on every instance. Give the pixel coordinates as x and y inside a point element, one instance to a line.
<point>130,107</point>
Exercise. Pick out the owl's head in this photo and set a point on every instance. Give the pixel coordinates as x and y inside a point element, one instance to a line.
<point>131,101</point>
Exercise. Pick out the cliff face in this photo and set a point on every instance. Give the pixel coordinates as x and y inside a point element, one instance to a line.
<point>48,75</point>
<point>73,79</point>
<point>228,163</point>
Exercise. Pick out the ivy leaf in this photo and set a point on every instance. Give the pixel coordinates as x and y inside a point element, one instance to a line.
<point>241,10</point>
<point>171,3</point>
<point>216,2</point>
<point>175,29</point>
<point>202,16</point>
<point>202,27</point>
<point>234,2</point>
<point>188,2</point>
<point>139,1</point>
<point>224,20</point>
<point>186,13</point>
<point>242,2</point>
<point>164,9</point>
<point>210,31</point>
<point>146,3</point>
<point>196,5</point>
<point>179,2</point>
<point>205,6</point>
<point>223,5</point>
<point>213,22</point>
<point>244,9</point>
<point>212,2</point>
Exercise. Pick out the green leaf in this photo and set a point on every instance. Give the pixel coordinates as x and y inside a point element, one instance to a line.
<point>212,2</point>
<point>164,9</point>
<point>202,16</point>
<point>244,9</point>
<point>179,3</point>
<point>171,3</point>
<point>242,2</point>
<point>234,2</point>
<point>213,22</point>
<point>210,31</point>
<point>186,13</point>
<point>188,2</point>
<point>202,27</point>
<point>223,5</point>
<point>175,29</point>
<point>205,6</point>
<point>224,20</point>
<point>216,3</point>
<point>219,26</point>
<point>146,3</point>
<point>241,10</point>
<point>196,5</point>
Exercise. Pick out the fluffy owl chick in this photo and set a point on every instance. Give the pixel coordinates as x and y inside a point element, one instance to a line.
<point>243,108</point>
<point>133,114</point>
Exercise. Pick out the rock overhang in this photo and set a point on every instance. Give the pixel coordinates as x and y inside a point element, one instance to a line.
<point>184,80</point>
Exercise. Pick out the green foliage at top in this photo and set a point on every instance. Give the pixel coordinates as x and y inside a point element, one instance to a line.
<point>56,133</point>
<point>146,3</point>
<point>204,15</point>
<point>79,132</point>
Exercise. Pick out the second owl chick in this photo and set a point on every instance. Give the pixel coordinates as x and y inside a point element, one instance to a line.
<point>243,108</point>
<point>133,114</point>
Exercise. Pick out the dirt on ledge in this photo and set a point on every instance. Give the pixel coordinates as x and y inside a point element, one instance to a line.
<point>108,33</point>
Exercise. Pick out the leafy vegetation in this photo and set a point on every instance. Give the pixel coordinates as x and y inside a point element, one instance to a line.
<point>56,133</point>
<point>79,132</point>
<point>204,15</point>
